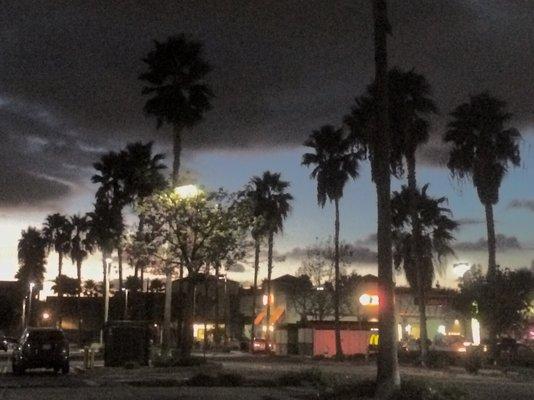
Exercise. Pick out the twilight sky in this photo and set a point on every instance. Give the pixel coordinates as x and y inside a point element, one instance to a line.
<point>69,92</point>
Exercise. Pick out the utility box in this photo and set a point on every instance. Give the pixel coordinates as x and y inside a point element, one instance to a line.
<point>126,342</point>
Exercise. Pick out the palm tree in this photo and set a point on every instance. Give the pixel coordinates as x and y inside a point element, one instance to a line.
<point>56,231</point>
<point>275,207</point>
<point>334,163</point>
<point>175,81</point>
<point>388,377</point>
<point>482,149</point>
<point>125,178</point>
<point>80,243</point>
<point>411,105</point>
<point>91,288</point>
<point>32,261</point>
<point>32,257</point>
<point>420,260</point>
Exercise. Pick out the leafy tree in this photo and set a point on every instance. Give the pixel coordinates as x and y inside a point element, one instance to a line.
<point>81,244</point>
<point>66,285</point>
<point>32,257</point>
<point>57,231</point>
<point>91,288</point>
<point>191,232</point>
<point>421,259</point>
<point>483,148</point>
<point>501,303</point>
<point>176,83</point>
<point>133,284</point>
<point>334,162</point>
<point>157,286</point>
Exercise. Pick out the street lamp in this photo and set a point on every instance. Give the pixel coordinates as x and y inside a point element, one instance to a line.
<point>28,321</point>
<point>187,191</point>
<point>126,291</point>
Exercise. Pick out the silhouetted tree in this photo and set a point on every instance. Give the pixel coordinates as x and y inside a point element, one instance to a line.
<point>274,201</point>
<point>482,149</point>
<point>81,244</point>
<point>176,81</point>
<point>66,285</point>
<point>334,162</point>
<point>420,260</point>
<point>57,231</point>
<point>32,258</point>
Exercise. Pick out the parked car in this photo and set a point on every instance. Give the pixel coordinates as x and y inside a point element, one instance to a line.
<point>260,346</point>
<point>41,348</point>
<point>511,352</point>
<point>7,343</point>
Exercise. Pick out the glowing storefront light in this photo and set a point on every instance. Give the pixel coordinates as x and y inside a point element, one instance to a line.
<point>442,329</point>
<point>408,329</point>
<point>475,330</point>
<point>369,300</point>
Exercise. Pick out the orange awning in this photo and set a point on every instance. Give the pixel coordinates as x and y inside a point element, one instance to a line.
<point>276,314</point>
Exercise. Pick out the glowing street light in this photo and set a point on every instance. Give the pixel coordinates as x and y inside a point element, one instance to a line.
<point>369,300</point>
<point>187,191</point>
<point>460,269</point>
<point>46,316</point>
<point>28,321</point>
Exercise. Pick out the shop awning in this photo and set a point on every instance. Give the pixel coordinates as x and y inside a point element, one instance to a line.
<point>276,314</point>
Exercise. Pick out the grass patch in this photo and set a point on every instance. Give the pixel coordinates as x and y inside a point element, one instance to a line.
<point>222,379</point>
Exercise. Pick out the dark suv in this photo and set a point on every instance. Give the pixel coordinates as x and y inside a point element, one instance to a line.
<point>41,348</point>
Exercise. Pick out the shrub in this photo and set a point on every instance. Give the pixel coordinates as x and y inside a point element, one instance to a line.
<point>473,362</point>
<point>174,360</point>
<point>438,360</point>
<point>202,380</point>
<point>310,377</point>
<point>230,379</point>
<point>420,390</point>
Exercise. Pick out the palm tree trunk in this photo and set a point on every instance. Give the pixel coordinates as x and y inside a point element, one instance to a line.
<point>490,225</point>
<point>119,257</point>
<point>217,336</point>
<point>416,255</point>
<point>79,273</point>
<point>388,378</point>
<point>167,312</point>
<point>339,350</point>
<point>60,270</point>
<point>269,274</point>
<point>255,289</point>
<point>187,335</point>
<point>492,270</point>
<point>177,150</point>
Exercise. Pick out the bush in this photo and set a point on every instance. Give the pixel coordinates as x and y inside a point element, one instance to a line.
<point>174,360</point>
<point>310,377</point>
<point>438,360</point>
<point>226,380</point>
<point>473,362</point>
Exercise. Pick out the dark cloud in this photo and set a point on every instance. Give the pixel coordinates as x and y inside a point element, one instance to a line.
<point>470,221</point>
<point>68,71</point>
<point>503,242</point>
<point>526,204</point>
<point>236,268</point>
<point>351,254</point>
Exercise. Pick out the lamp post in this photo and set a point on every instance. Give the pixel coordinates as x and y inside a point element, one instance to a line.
<point>28,320</point>
<point>107,271</point>
<point>126,304</point>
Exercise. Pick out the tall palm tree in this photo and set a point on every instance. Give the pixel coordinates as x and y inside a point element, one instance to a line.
<point>176,81</point>
<point>275,205</point>
<point>482,149</point>
<point>334,162</point>
<point>410,106</point>
<point>420,260</point>
<point>81,244</point>
<point>32,261</point>
<point>253,207</point>
<point>381,153</point>
<point>56,231</point>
